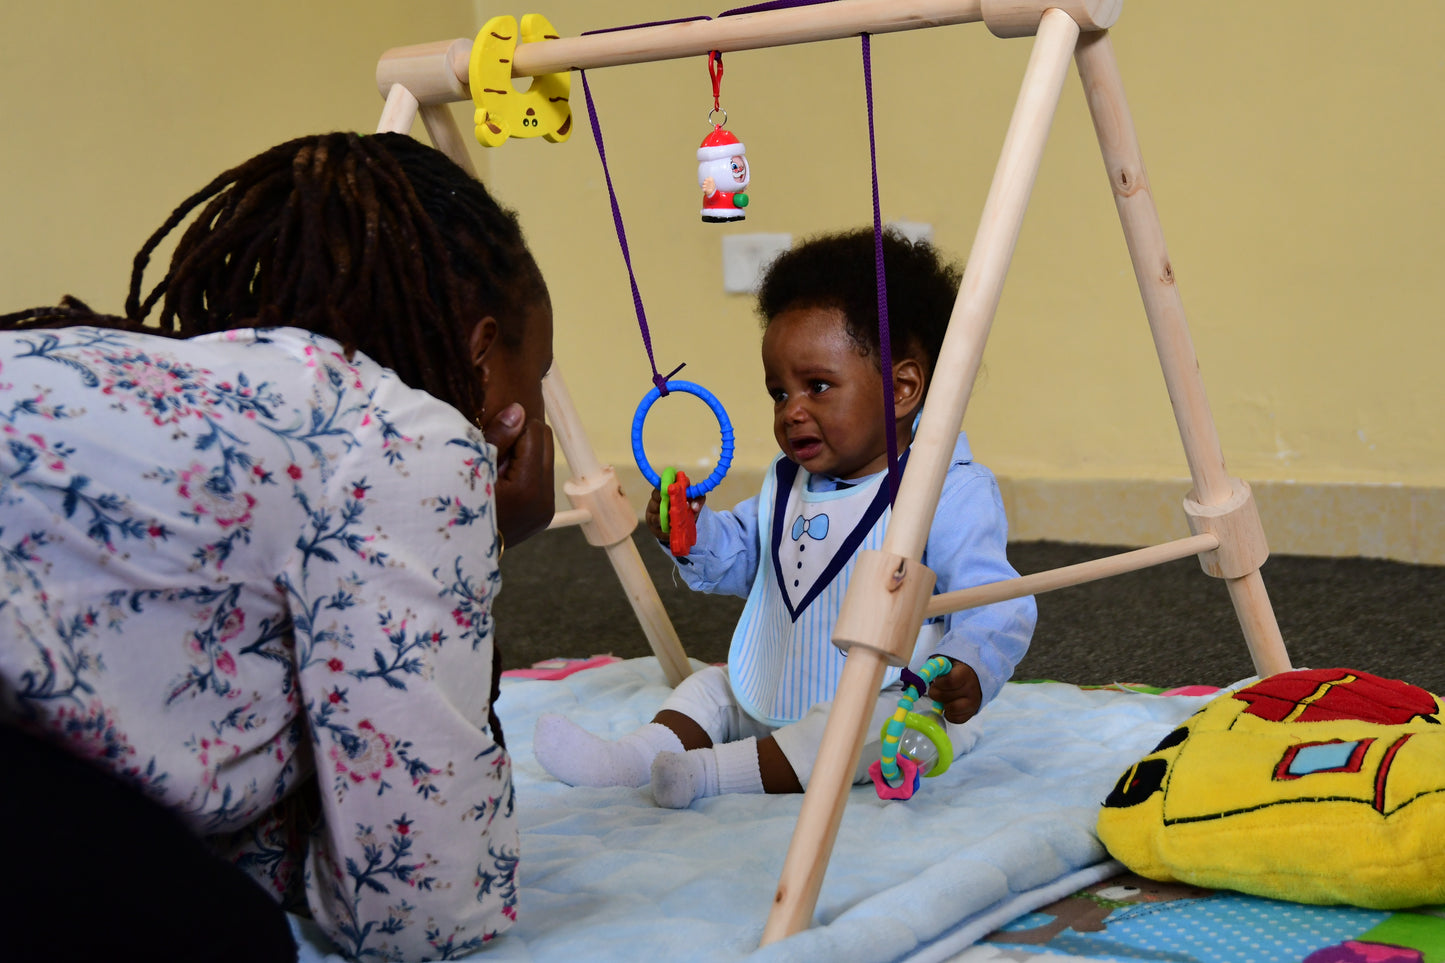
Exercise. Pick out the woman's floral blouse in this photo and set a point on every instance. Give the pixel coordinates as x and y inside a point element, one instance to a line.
<point>255,579</point>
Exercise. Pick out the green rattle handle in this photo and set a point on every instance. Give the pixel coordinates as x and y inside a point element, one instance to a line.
<point>669,476</point>
<point>929,725</point>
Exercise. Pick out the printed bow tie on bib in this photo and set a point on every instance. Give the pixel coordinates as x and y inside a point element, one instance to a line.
<point>815,527</point>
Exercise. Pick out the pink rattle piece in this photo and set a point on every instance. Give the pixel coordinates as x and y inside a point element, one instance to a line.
<point>905,789</point>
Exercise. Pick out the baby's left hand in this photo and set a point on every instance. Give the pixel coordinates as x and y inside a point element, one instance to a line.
<point>958,692</point>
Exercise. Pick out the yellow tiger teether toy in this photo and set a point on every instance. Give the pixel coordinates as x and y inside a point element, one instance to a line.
<point>502,110</point>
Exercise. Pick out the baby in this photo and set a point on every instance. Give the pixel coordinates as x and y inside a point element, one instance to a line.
<point>756,725</point>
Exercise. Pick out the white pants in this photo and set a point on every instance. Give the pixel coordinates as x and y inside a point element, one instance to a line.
<point>706,697</point>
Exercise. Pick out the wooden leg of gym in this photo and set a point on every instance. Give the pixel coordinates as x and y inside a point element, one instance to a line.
<point>609,522</point>
<point>880,577</point>
<point>599,505</point>
<point>446,136</point>
<point>1218,504</point>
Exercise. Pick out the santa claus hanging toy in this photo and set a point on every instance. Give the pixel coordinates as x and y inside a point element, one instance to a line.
<point>722,173</point>
<point>722,160</point>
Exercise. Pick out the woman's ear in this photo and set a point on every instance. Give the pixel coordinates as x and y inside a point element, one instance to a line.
<point>484,335</point>
<point>909,384</point>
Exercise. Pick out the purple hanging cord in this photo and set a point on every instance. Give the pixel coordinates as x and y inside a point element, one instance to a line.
<point>885,347</point>
<point>660,380</point>
<point>639,26</point>
<point>884,342</point>
<point>771,5</point>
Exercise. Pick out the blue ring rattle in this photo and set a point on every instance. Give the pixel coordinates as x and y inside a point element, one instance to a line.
<point>724,460</point>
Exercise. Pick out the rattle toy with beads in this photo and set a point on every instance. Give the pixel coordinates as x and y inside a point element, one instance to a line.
<point>915,744</point>
<point>678,519</point>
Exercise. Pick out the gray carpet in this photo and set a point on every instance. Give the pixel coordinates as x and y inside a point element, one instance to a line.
<point>1168,625</point>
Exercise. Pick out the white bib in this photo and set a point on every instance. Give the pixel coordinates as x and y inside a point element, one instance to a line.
<point>782,660</point>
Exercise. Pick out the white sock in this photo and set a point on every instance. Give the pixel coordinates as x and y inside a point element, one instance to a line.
<point>578,758</point>
<point>678,778</point>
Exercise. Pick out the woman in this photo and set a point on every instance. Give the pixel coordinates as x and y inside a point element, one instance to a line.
<point>250,547</point>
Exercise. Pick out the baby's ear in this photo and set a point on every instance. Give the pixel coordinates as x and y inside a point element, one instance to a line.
<point>909,385</point>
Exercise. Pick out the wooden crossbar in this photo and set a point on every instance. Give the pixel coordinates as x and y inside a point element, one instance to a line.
<point>1057,578</point>
<point>568,517</point>
<point>436,73</point>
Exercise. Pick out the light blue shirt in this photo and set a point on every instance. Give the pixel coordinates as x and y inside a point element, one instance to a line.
<point>967,546</point>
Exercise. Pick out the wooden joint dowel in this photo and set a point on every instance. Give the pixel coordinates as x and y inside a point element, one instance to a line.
<point>1021,18</point>
<point>883,606</point>
<point>1090,571</point>
<point>569,517</point>
<point>611,518</point>
<point>435,73</point>
<point>1235,522</point>
<point>1124,163</point>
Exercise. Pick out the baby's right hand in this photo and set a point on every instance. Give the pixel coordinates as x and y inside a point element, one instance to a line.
<point>653,515</point>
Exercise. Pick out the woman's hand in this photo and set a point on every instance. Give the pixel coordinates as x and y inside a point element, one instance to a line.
<point>958,692</point>
<point>524,493</point>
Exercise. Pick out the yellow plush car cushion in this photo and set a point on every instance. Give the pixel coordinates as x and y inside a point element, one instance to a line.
<point>1315,785</point>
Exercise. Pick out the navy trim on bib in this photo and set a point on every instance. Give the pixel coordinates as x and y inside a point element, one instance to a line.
<point>785,472</point>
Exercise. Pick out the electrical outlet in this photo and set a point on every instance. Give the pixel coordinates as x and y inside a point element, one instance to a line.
<point>745,256</point>
<point>913,230</point>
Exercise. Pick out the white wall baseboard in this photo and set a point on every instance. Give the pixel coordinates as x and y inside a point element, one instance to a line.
<point>1398,522</point>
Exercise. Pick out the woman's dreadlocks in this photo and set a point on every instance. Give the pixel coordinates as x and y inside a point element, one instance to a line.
<point>377,241</point>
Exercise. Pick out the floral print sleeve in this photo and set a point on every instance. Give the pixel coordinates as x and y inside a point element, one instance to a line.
<point>390,586</point>
<point>248,574</point>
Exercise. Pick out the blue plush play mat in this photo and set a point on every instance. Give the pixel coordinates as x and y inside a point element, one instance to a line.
<point>1004,840</point>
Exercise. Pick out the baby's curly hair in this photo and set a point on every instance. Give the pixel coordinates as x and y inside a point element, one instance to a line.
<point>840,271</point>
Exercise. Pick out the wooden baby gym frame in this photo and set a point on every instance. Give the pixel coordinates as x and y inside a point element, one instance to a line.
<point>891,591</point>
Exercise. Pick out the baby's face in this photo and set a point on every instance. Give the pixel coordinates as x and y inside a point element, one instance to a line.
<point>827,394</point>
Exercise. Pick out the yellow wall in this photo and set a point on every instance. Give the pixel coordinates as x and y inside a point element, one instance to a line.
<point>1295,155</point>
<point>1294,151</point>
<point>115,112</point>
